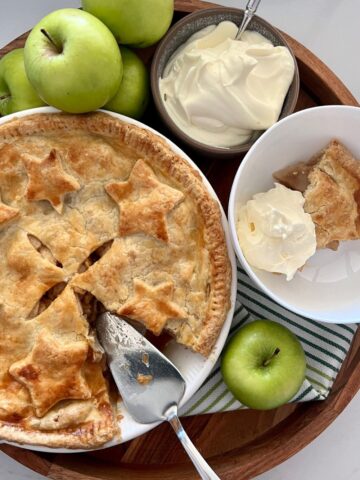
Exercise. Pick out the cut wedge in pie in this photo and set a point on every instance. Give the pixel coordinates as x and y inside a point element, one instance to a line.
<point>95,214</point>
<point>330,183</point>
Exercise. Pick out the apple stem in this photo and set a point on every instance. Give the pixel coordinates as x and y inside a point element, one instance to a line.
<point>266,362</point>
<point>4,97</point>
<point>44,32</point>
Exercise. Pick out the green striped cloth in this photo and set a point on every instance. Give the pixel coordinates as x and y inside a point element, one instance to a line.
<point>325,346</point>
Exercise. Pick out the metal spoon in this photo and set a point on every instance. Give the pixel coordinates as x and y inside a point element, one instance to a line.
<point>250,11</point>
<point>150,385</point>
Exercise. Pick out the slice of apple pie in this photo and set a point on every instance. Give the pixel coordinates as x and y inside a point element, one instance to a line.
<point>330,183</point>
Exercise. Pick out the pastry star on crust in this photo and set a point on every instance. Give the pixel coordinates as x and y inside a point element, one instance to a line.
<point>152,305</point>
<point>144,202</point>
<point>48,180</point>
<point>7,213</point>
<point>52,371</point>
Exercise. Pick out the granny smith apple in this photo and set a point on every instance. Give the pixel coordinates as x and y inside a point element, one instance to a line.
<point>133,94</point>
<point>73,61</point>
<point>139,23</point>
<point>16,92</point>
<point>263,365</point>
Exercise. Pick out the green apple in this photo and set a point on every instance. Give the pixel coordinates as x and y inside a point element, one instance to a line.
<point>139,23</point>
<point>133,95</point>
<point>263,365</point>
<point>16,92</point>
<point>73,61</point>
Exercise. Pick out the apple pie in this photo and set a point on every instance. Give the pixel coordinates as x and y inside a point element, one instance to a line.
<point>95,214</point>
<point>330,183</point>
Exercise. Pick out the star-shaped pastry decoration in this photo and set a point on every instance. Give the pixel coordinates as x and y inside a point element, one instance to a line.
<point>48,180</point>
<point>7,213</point>
<point>52,371</point>
<point>144,202</point>
<point>152,306</point>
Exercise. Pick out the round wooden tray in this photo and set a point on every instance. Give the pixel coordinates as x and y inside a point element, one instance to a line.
<point>240,444</point>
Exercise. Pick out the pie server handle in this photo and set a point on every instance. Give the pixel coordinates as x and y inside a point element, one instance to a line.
<point>203,468</point>
<point>125,347</point>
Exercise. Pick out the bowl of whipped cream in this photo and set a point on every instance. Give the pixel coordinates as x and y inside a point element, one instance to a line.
<point>216,93</point>
<point>294,213</point>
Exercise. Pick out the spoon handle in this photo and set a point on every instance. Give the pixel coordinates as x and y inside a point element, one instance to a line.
<point>250,10</point>
<point>204,470</point>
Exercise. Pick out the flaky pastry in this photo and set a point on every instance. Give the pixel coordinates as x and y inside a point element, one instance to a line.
<point>330,183</point>
<point>95,214</point>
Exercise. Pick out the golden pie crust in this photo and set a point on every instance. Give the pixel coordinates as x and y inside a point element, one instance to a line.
<point>95,211</point>
<point>330,183</point>
<point>333,196</point>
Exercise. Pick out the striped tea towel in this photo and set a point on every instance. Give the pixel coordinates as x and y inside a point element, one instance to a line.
<point>325,346</point>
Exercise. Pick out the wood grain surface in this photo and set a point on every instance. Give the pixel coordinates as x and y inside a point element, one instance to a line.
<point>240,444</point>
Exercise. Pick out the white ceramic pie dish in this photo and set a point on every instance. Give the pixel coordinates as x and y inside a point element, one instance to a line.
<point>194,367</point>
<point>327,288</point>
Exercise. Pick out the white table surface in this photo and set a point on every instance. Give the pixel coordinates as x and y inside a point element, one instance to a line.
<point>330,28</point>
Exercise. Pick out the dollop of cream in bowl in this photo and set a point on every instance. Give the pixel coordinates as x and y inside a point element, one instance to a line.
<point>275,233</point>
<point>218,90</point>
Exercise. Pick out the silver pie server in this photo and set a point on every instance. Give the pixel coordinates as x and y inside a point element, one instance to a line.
<point>250,11</point>
<point>151,387</point>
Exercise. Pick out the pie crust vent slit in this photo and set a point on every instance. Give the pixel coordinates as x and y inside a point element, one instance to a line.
<point>95,256</point>
<point>47,299</point>
<point>44,251</point>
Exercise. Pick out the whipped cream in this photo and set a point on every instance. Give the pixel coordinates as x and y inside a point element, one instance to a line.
<point>275,233</point>
<point>218,90</point>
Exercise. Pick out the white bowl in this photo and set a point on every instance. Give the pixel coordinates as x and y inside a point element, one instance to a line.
<point>328,287</point>
<point>194,367</point>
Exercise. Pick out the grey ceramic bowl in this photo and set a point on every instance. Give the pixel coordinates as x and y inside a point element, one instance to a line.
<point>178,34</point>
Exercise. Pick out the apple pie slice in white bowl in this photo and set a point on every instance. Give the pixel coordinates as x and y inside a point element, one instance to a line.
<point>323,145</point>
